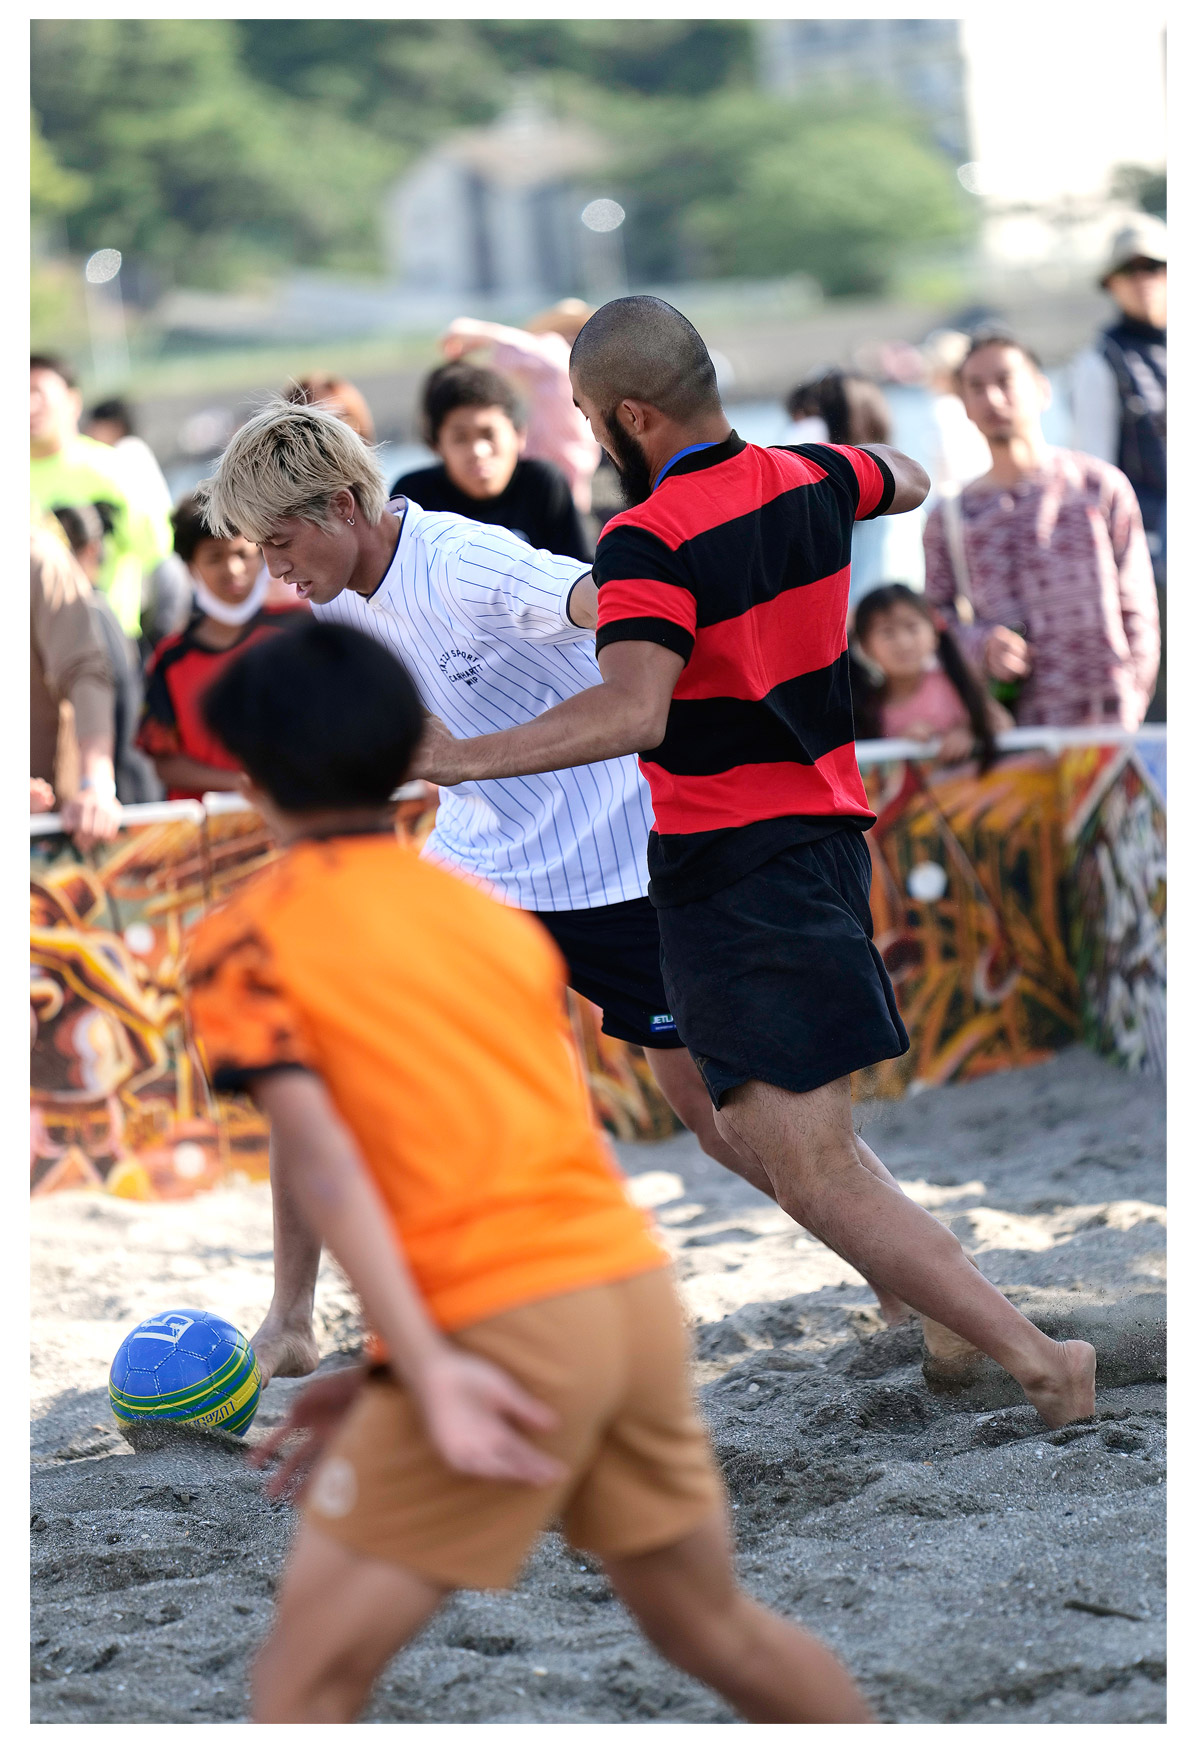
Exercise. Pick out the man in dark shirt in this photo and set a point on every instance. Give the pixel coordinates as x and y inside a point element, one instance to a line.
<point>722,645</point>
<point>472,420</point>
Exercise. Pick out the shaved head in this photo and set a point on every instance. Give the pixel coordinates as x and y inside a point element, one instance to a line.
<point>642,349</point>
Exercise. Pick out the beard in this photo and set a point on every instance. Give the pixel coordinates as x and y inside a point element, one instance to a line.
<point>630,462</point>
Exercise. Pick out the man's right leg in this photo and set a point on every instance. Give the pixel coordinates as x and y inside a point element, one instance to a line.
<point>806,1145</point>
<point>340,1617</point>
<point>284,1343</point>
<point>685,1092</point>
<point>687,1602</point>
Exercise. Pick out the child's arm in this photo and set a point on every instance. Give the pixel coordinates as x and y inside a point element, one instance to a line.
<point>179,771</point>
<point>471,1409</point>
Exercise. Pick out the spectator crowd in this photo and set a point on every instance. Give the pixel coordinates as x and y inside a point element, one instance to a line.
<point>1044,599</point>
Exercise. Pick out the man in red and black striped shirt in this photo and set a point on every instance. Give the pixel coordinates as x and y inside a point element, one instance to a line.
<point>722,601</point>
<point>738,563</point>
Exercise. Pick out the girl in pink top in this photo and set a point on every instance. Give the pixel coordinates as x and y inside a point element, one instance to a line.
<point>555,431</point>
<point>914,683</point>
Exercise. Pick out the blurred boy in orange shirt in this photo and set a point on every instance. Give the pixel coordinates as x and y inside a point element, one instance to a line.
<point>406,1037</point>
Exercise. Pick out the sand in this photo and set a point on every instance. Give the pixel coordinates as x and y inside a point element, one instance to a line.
<point>969,1565</point>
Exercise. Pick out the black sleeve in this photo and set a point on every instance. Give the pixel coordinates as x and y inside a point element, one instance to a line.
<point>427,485</point>
<point>889,489</point>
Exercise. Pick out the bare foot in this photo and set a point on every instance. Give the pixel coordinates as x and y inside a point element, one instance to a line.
<point>949,1362</point>
<point>285,1351</point>
<point>1069,1394</point>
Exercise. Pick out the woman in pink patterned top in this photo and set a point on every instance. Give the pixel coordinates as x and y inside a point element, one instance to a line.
<point>1044,559</point>
<point>537,357</point>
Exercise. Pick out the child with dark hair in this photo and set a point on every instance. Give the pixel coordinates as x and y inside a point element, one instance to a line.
<point>851,408</point>
<point>230,611</point>
<point>473,421</point>
<point>405,1035</point>
<point>925,690</point>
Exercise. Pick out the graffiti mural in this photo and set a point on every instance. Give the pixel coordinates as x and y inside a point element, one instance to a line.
<point>1014,913</point>
<point>118,1095</point>
<point>967,908</point>
<point>1115,835</point>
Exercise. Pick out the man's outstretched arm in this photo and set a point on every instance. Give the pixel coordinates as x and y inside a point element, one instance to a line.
<point>627,713</point>
<point>912,482</point>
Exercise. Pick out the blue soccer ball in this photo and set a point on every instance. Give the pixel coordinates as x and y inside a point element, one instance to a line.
<point>188,1367</point>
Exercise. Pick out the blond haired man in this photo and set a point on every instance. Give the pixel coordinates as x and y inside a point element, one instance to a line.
<point>492,631</point>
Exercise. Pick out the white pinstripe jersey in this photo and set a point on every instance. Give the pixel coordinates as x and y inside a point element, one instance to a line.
<point>479,619</point>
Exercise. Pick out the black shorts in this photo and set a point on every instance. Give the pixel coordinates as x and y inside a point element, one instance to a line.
<point>775,978</point>
<point>614,959</point>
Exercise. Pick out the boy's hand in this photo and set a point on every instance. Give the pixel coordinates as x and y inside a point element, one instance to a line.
<point>315,1413</point>
<point>472,1411</point>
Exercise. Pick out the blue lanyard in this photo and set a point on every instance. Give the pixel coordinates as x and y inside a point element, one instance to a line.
<point>678,456</point>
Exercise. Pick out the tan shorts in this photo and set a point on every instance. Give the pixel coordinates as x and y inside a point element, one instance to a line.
<point>614,1363</point>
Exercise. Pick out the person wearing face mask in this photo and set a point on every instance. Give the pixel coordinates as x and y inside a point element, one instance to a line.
<point>230,612</point>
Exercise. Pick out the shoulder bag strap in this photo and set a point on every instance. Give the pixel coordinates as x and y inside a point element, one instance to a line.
<point>952,522</point>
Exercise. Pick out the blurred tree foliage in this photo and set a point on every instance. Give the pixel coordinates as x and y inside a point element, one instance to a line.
<point>209,149</point>
<point>194,168</point>
<point>53,191</point>
<point>747,185</point>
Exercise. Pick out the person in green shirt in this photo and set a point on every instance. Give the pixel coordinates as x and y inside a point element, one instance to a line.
<point>66,468</point>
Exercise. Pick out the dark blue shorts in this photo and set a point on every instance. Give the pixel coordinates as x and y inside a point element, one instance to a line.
<point>614,959</point>
<point>775,978</point>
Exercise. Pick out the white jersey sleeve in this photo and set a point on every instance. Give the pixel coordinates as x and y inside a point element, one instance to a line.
<point>506,587</point>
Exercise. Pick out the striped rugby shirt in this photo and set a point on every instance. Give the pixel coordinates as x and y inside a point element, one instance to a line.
<point>479,619</point>
<point>739,561</point>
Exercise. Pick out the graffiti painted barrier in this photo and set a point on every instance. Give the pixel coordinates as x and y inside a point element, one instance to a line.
<point>1014,912</point>
<point>1021,910</point>
<point>1115,845</point>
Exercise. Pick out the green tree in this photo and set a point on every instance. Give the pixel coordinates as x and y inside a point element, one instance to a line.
<point>53,191</point>
<point>208,149</point>
<point>412,78</point>
<point>192,167</point>
<point>749,186</point>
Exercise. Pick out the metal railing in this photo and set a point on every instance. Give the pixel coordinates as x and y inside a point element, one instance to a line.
<point>869,753</point>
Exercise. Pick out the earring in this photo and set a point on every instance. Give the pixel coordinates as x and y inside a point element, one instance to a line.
<point>350,520</point>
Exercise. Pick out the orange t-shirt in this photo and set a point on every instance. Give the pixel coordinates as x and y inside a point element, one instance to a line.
<point>435,1018</point>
